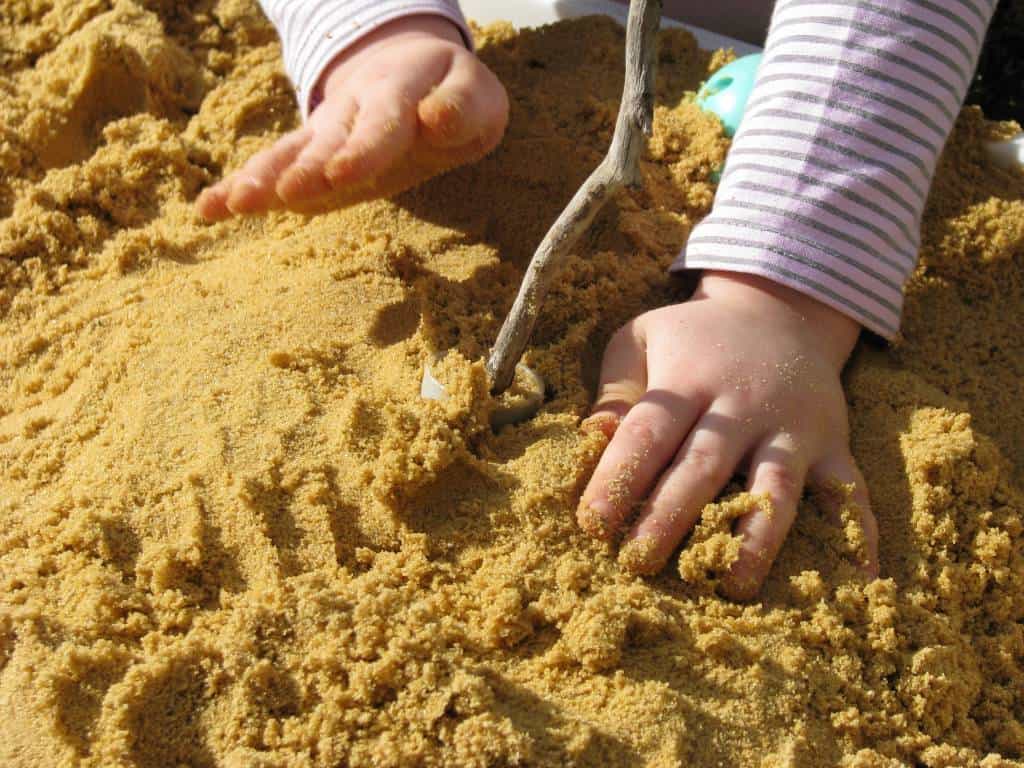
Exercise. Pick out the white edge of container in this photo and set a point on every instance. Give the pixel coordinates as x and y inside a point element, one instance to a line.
<point>534,13</point>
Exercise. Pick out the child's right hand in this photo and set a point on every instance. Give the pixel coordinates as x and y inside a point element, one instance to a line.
<point>406,91</point>
<point>743,377</point>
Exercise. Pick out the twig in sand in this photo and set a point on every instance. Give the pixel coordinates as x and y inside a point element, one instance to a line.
<point>620,167</point>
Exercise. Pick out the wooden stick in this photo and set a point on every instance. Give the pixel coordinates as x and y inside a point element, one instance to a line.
<point>620,167</point>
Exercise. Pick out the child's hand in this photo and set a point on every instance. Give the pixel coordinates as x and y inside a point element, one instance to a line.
<point>410,87</point>
<point>743,376</point>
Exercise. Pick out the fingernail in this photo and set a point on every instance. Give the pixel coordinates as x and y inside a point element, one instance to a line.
<point>637,556</point>
<point>594,516</point>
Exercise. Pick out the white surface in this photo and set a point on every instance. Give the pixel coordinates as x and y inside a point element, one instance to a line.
<point>430,388</point>
<point>534,13</point>
<point>1009,153</point>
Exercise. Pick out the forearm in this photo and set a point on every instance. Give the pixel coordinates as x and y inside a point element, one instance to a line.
<point>314,32</point>
<point>827,178</point>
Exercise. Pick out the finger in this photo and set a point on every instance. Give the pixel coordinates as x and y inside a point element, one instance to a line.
<point>470,105</point>
<point>777,472</point>
<point>644,443</point>
<point>383,130</point>
<point>842,485</point>
<point>623,379</point>
<point>702,467</point>
<point>212,202</point>
<point>305,178</point>
<point>252,186</point>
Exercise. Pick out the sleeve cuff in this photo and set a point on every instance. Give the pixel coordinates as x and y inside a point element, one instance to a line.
<point>319,41</point>
<point>755,261</point>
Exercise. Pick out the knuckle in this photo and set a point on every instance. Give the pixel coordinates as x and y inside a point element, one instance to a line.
<point>705,466</point>
<point>781,481</point>
<point>641,429</point>
<point>751,401</point>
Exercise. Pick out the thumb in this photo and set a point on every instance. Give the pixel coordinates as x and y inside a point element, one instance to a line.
<point>623,379</point>
<point>469,105</point>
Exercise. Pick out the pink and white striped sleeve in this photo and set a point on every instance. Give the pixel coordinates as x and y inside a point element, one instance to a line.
<point>826,180</point>
<point>314,32</point>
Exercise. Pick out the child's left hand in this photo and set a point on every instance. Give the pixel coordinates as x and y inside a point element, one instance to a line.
<point>745,376</point>
<point>406,102</point>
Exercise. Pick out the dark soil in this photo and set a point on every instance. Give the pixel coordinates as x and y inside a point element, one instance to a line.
<point>998,85</point>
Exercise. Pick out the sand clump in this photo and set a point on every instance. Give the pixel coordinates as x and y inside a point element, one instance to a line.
<point>231,533</point>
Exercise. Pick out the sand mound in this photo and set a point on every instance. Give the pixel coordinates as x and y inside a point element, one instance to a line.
<point>232,534</point>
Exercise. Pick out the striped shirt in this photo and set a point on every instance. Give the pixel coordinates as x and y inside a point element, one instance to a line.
<point>314,32</point>
<point>825,183</point>
<point>827,176</point>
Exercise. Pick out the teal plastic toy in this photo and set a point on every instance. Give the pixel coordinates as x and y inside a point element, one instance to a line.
<point>727,91</point>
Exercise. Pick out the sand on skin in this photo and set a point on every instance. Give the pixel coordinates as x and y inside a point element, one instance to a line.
<point>232,534</point>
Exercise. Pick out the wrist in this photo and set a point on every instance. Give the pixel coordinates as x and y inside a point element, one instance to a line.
<point>836,331</point>
<point>404,29</point>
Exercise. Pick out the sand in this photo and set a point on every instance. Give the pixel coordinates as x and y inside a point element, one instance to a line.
<point>231,533</point>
